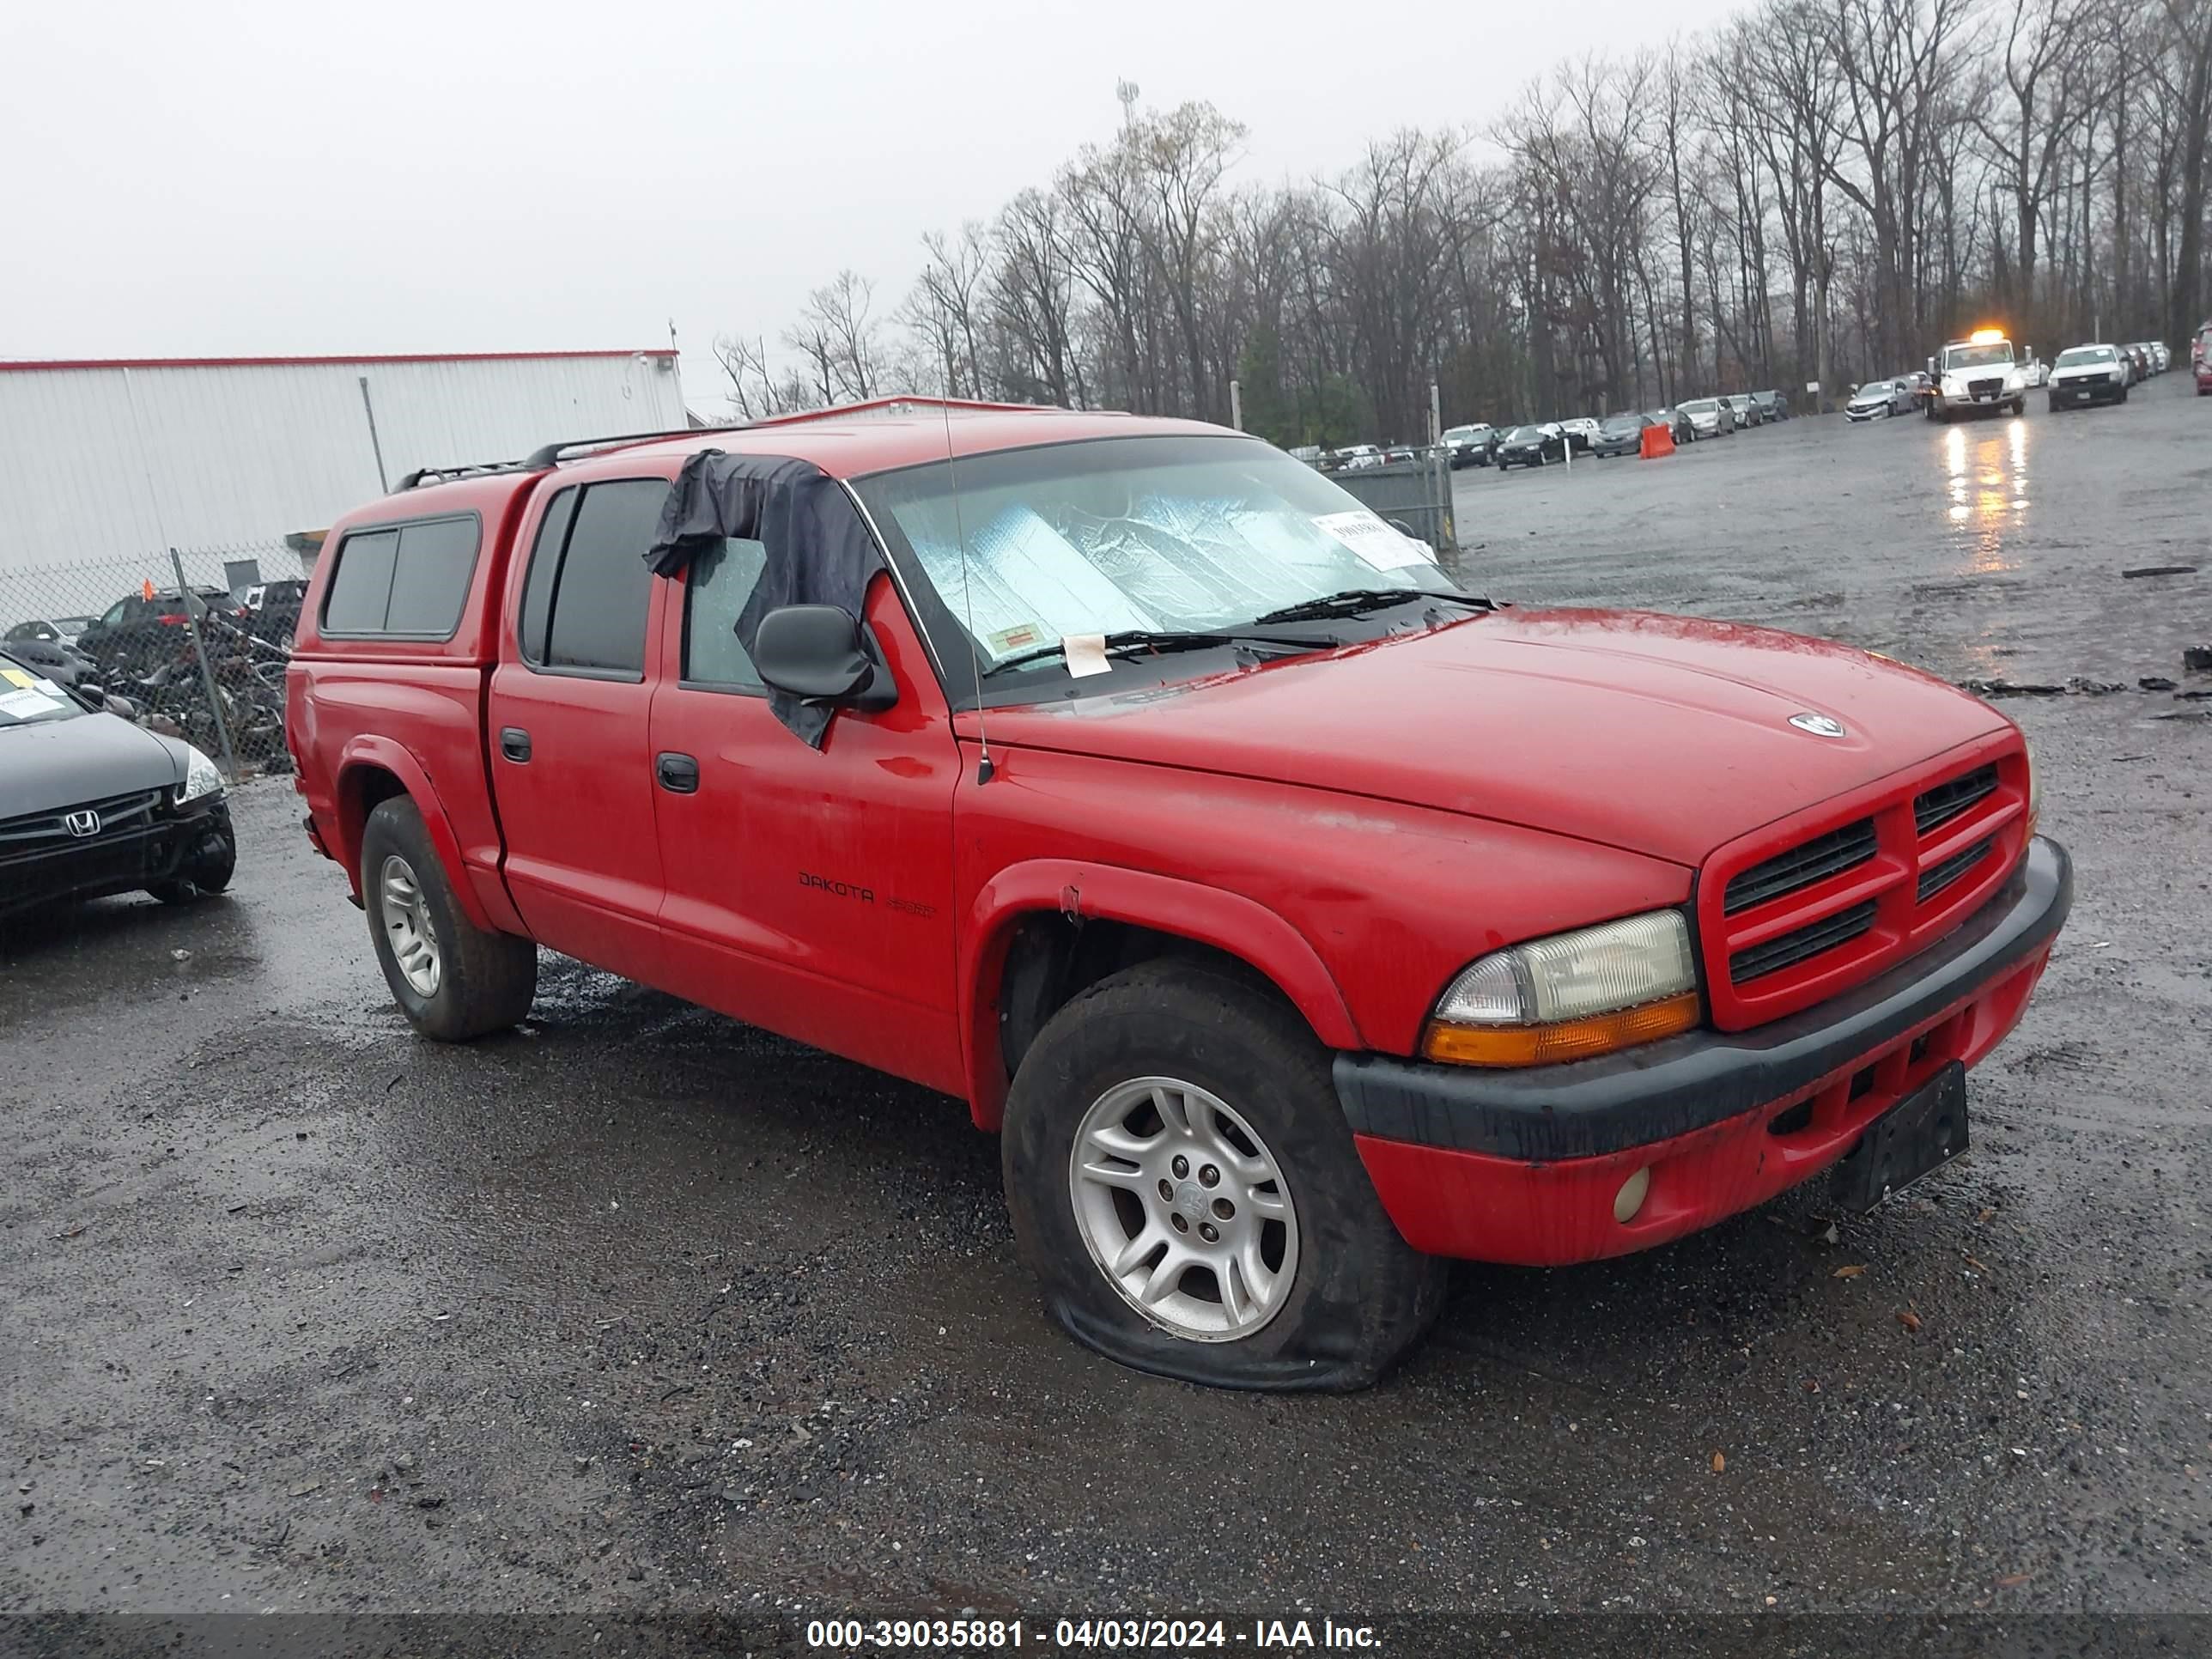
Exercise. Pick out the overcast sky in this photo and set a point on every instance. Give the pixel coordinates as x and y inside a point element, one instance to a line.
<point>236,177</point>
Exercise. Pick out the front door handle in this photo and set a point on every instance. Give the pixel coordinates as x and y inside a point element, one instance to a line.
<point>514,744</point>
<point>678,774</point>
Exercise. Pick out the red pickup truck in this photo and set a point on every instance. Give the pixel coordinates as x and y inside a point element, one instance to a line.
<point>1299,919</point>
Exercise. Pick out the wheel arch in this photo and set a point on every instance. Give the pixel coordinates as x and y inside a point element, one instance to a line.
<point>1040,931</point>
<point>371,770</point>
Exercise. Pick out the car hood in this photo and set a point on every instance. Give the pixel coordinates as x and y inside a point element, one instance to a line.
<point>2077,371</point>
<point>1665,736</point>
<point>51,764</point>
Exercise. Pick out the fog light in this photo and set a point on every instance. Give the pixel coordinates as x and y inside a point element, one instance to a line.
<point>1630,1198</point>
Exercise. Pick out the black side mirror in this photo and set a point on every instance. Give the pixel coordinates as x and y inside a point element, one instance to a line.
<point>819,655</point>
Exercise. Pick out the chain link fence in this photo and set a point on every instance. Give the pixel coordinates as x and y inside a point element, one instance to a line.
<point>193,644</point>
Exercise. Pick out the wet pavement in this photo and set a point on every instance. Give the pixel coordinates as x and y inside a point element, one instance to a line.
<point>638,1308</point>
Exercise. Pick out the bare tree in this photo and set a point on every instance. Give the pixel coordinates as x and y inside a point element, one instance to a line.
<point>756,390</point>
<point>837,336</point>
<point>1185,154</point>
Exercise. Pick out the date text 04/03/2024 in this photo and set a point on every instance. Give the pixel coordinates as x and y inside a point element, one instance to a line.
<point>996,1634</point>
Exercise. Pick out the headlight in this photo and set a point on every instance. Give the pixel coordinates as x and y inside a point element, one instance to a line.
<point>200,777</point>
<point>1570,996</point>
<point>2034,783</point>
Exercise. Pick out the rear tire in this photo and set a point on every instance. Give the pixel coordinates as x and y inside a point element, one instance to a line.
<point>1173,1072</point>
<point>452,979</point>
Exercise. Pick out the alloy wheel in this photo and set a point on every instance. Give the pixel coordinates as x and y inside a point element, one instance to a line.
<point>1184,1208</point>
<point>405,917</point>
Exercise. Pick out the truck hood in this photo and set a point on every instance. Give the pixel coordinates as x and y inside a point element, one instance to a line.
<point>1667,736</point>
<point>48,765</point>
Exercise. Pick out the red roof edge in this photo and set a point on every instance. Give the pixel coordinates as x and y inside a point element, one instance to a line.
<point>35,364</point>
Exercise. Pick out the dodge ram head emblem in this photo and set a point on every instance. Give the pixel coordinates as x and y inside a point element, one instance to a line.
<point>1818,724</point>
<point>82,823</point>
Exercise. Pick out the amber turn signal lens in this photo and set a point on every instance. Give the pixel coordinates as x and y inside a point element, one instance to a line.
<point>1566,1039</point>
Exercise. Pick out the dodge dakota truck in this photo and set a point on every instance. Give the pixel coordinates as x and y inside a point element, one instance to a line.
<point>1298,919</point>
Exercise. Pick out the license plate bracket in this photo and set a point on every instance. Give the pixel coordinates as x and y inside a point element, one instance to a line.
<point>1922,1133</point>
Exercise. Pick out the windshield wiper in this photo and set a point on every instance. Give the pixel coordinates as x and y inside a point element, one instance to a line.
<point>1131,640</point>
<point>1354,601</point>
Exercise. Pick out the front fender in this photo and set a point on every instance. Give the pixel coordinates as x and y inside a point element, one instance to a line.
<point>1083,888</point>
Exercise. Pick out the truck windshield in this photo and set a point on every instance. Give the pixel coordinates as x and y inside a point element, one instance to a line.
<point>1115,535</point>
<point>1978,357</point>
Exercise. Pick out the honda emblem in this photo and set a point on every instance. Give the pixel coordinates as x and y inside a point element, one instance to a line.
<point>82,824</point>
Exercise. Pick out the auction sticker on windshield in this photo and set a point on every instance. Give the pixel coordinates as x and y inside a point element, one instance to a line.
<point>35,697</point>
<point>1373,540</point>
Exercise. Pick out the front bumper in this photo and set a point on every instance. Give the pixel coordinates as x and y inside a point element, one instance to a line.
<point>1998,401</point>
<point>2084,392</point>
<point>1522,1166</point>
<point>171,844</point>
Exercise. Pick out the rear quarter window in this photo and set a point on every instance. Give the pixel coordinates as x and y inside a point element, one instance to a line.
<point>410,580</point>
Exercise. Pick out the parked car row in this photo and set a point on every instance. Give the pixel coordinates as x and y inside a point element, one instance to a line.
<point>1539,443</point>
<point>2149,357</point>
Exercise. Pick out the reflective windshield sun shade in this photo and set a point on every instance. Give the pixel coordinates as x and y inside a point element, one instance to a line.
<point>1173,535</point>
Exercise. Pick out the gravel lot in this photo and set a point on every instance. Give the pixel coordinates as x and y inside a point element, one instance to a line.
<point>641,1310</point>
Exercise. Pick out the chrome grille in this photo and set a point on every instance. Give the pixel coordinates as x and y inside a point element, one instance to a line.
<point>35,833</point>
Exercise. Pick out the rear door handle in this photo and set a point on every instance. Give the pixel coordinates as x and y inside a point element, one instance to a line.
<point>678,774</point>
<point>514,744</point>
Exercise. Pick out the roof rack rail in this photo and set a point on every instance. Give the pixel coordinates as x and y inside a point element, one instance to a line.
<point>545,456</point>
<point>548,455</point>
<point>422,474</point>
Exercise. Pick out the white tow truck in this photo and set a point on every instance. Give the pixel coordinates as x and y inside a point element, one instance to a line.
<point>1979,372</point>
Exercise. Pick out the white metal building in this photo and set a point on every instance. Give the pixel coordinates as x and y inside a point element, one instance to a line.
<point>112,460</point>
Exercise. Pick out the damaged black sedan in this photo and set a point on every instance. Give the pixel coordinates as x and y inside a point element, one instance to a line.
<point>91,805</point>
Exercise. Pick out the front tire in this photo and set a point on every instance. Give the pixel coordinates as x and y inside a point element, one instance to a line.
<point>1183,1184</point>
<point>206,870</point>
<point>452,979</point>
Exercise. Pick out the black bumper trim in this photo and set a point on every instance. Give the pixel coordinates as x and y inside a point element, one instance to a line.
<point>1590,1107</point>
<point>126,863</point>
